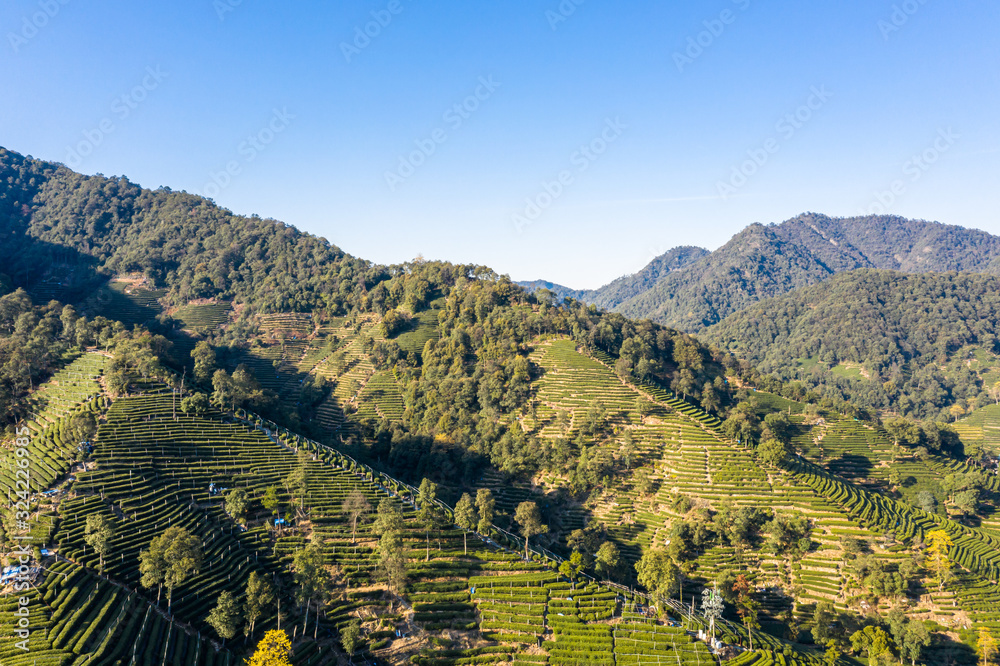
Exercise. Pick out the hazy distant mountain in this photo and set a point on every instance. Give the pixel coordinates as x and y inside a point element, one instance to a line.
<point>765,261</point>
<point>611,295</point>
<point>627,286</point>
<point>557,289</point>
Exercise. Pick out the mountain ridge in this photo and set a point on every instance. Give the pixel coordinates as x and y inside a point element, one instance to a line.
<point>763,261</point>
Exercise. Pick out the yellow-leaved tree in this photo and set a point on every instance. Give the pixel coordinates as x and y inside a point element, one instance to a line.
<point>986,646</point>
<point>938,548</point>
<point>272,650</point>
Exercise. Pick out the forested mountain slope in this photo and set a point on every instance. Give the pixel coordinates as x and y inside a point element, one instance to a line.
<point>60,226</point>
<point>923,344</point>
<point>765,261</point>
<point>637,453</point>
<point>448,339</point>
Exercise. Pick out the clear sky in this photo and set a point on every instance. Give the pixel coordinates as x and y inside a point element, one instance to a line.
<point>588,137</point>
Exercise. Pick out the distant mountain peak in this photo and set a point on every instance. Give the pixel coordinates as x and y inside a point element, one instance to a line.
<point>762,261</point>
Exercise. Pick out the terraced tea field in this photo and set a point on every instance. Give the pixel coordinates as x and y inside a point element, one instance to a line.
<point>203,315</point>
<point>150,470</point>
<point>424,327</point>
<point>684,455</point>
<point>52,450</point>
<point>981,429</point>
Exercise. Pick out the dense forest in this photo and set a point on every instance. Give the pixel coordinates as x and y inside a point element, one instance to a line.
<point>925,344</point>
<point>61,226</point>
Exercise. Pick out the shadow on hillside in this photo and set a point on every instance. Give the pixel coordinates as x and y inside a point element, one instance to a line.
<point>851,466</point>
<point>946,650</point>
<point>48,271</point>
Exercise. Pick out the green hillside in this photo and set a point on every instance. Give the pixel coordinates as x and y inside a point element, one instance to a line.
<point>924,345</point>
<point>287,416</point>
<point>150,469</point>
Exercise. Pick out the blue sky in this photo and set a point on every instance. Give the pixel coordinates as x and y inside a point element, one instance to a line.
<point>587,138</point>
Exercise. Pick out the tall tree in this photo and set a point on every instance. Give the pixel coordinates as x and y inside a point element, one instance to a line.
<point>986,646</point>
<point>259,597</point>
<point>223,389</point>
<point>196,403</point>
<point>170,559</point>
<point>225,617</point>
<point>486,505</point>
<point>914,640</point>
<point>529,518</point>
<point>237,501</point>
<point>874,641</point>
<point>350,636</point>
<point>355,505</point>
<point>466,518</point>
<point>777,426</point>
<point>746,606</point>
<point>297,481</point>
<point>98,535</point>
<point>153,567</point>
<point>628,450</point>
<point>832,655</point>
<point>824,616</point>
<point>742,424</point>
<point>270,500</point>
<point>388,518</point>
<point>994,392</point>
<point>311,579</point>
<point>203,356</point>
<point>658,574</point>
<point>391,558</point>
<point>902,431</point>
<point>607,560</point>
<point>572,567</point>
<point>427,515</point>
<point>82,427</point>
<point>938,549</point>
<point>772,452</point>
